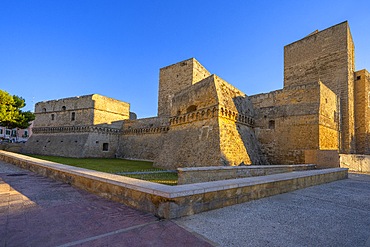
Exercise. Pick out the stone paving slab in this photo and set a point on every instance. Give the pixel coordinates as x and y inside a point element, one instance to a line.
<point>38,211</point>
<point>333,214</point>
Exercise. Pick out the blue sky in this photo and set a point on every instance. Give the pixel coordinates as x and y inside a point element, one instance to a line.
<point>60,48</point>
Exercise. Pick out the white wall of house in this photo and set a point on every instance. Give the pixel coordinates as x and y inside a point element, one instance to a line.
<point>16,134</point>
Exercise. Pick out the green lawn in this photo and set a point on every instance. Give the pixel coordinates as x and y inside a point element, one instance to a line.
<point>117,166</point>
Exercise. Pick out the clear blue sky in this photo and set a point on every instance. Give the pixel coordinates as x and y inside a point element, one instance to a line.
<point>58,48</point>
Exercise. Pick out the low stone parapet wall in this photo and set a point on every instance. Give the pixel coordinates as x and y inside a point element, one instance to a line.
<point>322,158</point>
<point>175,201</point>
<point>192,175</point>
<point>355,162</point>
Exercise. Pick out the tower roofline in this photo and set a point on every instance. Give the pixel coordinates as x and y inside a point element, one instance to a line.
<point>316,32</point>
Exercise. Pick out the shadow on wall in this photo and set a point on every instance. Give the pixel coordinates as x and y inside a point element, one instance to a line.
<point>244,125</point>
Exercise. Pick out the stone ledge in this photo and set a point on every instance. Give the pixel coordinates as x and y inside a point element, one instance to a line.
<point>212,173</point>
<point>175,201</point>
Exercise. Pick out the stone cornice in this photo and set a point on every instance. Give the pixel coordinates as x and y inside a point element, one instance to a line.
<point>144,131</point>
<point>74,129</point>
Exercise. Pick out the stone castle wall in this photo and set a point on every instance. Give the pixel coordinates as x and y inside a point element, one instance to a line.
<point>108,110</point>
<point>55,113</point>
<point>193,138</point>
<point>329,137</point>
<point>85,126</point>
<point>212,125</point>
<point>81,111</point>
<point>362,116</point>
<point>327,56</point>
<point>288,122</point>
<point>74,142</point>
<point>143,138</point>
<point>237,138</point>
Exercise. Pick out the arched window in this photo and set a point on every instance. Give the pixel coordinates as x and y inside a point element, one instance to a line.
<point>64,108</point>
<point>73,116</point>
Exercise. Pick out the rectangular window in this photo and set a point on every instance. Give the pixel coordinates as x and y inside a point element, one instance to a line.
<point>25,133</point>
<point>73,116</point>
<point>105,146</point>
<point>1,131</point>
<point>14,133</point>
<point>52,116</point>
<point>7,132</point>
<point>272,124</point>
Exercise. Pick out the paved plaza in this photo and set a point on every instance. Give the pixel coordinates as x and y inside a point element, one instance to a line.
<point>334,214</point>
<point>37,211</point>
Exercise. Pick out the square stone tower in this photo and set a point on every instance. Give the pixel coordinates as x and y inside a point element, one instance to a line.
<point>83,126</point>
<point>176,77</point>
<point>327,56</point>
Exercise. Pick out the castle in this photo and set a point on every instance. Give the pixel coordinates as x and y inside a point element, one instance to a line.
<point>204,121</point>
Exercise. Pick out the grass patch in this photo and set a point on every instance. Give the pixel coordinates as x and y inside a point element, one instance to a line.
<point>117,166</point>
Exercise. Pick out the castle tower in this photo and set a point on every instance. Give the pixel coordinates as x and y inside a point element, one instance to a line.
<point>327,56</point>
<point>176,77</point>
<point>83,126</point>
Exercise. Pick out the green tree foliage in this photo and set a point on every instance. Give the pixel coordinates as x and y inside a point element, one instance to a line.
<point>11,115</point>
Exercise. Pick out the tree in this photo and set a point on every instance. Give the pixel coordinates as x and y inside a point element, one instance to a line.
<point>11,115</point>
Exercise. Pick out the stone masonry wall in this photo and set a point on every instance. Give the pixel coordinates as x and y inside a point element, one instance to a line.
<point>176,77</point>
<point>193,137</point>
<point>74,144</point>
<point>143,138</point>
<point>108,110</point>
<point>84,126</point>
<point>211,125</point>
<point>328,120</point>
<point>237,139</point>
<point>195,144</point>
<point>362,113</point>
<point>80,111</point>
<point>59,112</point>
<point>286,122</point>
<point>327,56</point>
